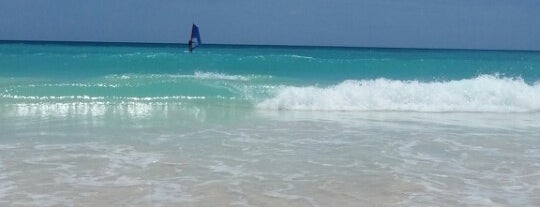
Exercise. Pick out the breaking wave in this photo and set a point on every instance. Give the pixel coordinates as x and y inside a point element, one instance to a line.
<point>485,93</point>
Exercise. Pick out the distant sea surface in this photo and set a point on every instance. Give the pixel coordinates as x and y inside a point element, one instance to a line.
<point>138,125</point>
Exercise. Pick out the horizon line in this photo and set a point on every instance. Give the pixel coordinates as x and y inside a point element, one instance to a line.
<point>171,44</point>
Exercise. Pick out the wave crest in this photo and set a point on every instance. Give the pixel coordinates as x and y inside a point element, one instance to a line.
<point>198,75</point>
<point>485,93</point>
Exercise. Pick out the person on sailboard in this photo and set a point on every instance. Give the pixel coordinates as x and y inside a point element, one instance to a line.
<point>190,45</point>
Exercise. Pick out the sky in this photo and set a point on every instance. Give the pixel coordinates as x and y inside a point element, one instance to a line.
<point>456,24</point>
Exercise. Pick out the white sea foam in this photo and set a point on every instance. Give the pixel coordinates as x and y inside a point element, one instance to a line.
<point>219,76</point>
<point>300,57</point>
<point>80,85</point>
<point>196,75</point>
<point>101,98</point>
<point>279,56</point>
<point>95,109</point>
<point>485,93</point>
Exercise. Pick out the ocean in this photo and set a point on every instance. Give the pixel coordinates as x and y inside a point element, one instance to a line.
<point>96,124</point>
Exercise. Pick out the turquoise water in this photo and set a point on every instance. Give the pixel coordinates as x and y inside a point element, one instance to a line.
<point>274,77</point>
<point>313,64</point>
<point>139,125</point>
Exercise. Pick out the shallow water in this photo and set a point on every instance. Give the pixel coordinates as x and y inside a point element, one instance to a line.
<point>269,158</point>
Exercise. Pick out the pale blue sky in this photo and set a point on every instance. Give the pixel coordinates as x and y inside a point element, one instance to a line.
<point>468,24</point>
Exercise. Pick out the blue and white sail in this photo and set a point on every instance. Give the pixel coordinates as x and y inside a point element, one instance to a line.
<point>195,34</point>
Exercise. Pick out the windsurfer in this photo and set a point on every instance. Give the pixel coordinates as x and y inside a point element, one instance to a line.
<point>190,45</point>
